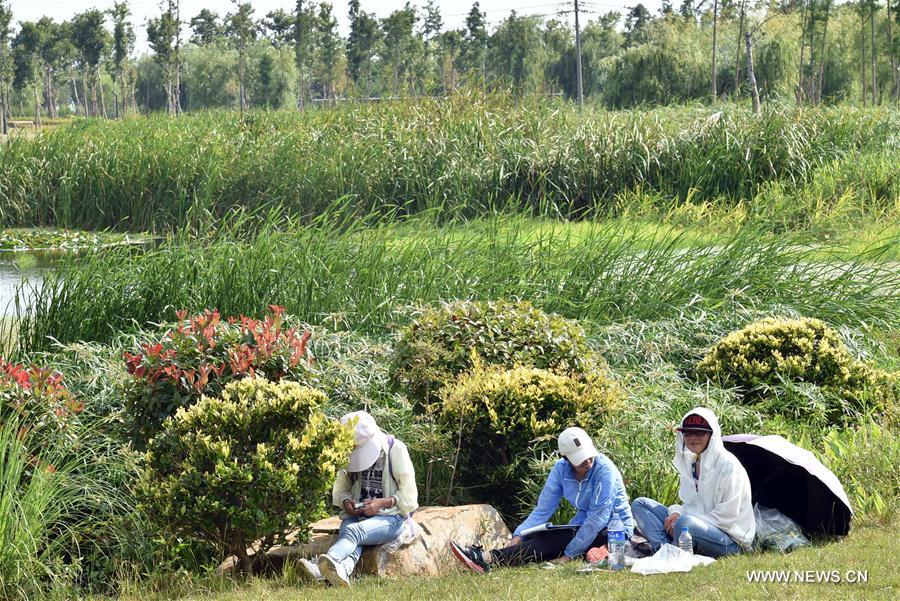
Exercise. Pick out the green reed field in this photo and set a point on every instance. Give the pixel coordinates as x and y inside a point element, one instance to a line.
<point>468,156</point>
<point>360,276</point>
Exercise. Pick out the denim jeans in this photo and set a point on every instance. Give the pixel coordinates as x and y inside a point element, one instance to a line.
<point>356,532</point>
<point>650,516</point>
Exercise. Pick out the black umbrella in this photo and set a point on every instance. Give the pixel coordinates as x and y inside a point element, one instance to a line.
<point>791,480</point>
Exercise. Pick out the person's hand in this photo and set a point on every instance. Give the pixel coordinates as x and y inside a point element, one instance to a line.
<point>669,523</point>
<point>349,507</point>
<point>597,554</point>
<point>561,560</point>
<point>373,506</point>
<point>516,540</point>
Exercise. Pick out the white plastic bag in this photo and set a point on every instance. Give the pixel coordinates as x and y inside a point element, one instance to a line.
<point>774,530</point>
<point>407,535</point>
<point>669,558</point>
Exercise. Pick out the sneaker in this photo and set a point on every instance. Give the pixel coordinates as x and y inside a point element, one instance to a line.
<point>310,570</point>
<point>471,557</point>
<point>333,572</point>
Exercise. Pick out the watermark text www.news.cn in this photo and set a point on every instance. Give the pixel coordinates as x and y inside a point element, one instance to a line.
<point>808,576</point>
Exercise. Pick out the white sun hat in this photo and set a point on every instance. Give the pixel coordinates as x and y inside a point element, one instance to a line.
<point>576,446</point>
<point>368,439</point>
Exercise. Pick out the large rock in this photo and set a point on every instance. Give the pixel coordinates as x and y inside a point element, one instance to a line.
<point>426,554</point>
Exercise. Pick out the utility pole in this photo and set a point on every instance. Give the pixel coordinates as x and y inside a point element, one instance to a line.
<point>578,58</point>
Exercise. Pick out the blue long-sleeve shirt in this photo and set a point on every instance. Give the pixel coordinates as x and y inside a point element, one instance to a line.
<point>596,499</point>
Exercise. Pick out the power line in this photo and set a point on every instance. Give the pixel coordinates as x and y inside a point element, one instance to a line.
<point>507,10</point>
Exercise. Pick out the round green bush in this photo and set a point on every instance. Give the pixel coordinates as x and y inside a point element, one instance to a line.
<point>775,351</point>
<point>252,464</point>
<point>442,342</point>
<point>504,416</point>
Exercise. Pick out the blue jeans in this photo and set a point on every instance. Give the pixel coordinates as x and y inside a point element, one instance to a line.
<point>356,532</point>
<point>650,516</point>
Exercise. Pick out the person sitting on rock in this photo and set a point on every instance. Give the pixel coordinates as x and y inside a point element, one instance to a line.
<point>377,493</point>
<point>714,489</point>
<point>586,479</point>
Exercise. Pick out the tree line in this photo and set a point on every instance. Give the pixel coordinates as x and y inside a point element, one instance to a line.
<point>811,51</point>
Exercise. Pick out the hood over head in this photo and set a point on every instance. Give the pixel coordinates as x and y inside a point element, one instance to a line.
<point>684,457</point>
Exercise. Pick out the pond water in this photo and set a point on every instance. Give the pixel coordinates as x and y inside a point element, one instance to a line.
<point>13,270</point>
<point>29,266</point>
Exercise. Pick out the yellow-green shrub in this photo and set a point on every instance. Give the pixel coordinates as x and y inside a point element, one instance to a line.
<point>248,465</point>
<point>776,350</point>
<point>442,342</point>
<point>504,416</point>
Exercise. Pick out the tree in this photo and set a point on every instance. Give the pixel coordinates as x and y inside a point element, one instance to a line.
<point>556,43</point>
<point>5,63</point>
<point>432,25</point>
<point>751,75</point>
<point>279,27</point>
<point>55,53</point>
<point>814,29</point>
<point>206,27</point>
<point>714,88</point>
<point>873,7</point>
<point>400,48</point>
<point>686,10</point>
<point>599,40</point>
<point>636,20</point>
<point>26,52</point>
<point>361,44</point>
<point>328,45</point>
<point>451,43</point>
<point>271,86</point>
<point>162,34</point>
<point>476,38</point>
<point>90,38</point>
<point>303,29</point>
<point>892,48</point>
<point>514,48</point>
<point>861,10</point>
<point>737,51</point>
<point>123,46</point>
<point>241,30</point>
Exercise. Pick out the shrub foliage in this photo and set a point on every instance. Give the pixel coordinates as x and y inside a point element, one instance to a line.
<point>201,355</point>
<point>38,400</point>
<point>442,342</point>
<point>250,464</point>
<point>776,351</point>
<point>502,416</point>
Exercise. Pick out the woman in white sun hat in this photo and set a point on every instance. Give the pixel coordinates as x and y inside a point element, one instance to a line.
<point>376,492</point>
<point>592,484</point>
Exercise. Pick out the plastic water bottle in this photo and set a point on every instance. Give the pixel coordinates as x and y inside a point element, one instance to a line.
<point>616,539</point>
<point>686,541</point>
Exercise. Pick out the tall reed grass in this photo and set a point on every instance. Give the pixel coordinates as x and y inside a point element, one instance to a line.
<point>36,494</point>
<point>469,155</point>
<point>362,277</point>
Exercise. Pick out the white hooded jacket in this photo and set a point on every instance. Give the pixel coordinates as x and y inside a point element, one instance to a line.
<point>722,495</point>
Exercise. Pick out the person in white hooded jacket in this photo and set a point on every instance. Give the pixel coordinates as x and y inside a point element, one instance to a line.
<point>714,489</point>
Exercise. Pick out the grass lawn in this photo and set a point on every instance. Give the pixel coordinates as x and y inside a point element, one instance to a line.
<point>867,549</point>
<point>845,243</point>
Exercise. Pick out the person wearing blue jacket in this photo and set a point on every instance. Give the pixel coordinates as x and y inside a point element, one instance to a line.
<point>591,483</point>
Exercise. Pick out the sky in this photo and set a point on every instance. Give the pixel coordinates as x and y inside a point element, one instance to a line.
<point>453,11</point>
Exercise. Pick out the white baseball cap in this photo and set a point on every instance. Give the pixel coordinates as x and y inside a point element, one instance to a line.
<point>576,446</point>
<point>368,440</point>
